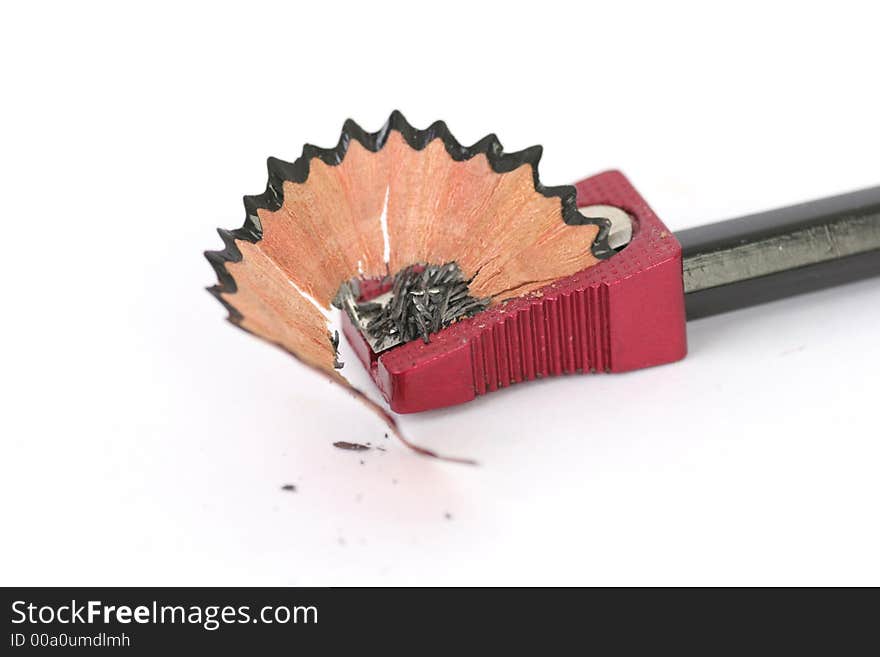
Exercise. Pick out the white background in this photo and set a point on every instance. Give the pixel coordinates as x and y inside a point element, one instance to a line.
<point>145,440</point>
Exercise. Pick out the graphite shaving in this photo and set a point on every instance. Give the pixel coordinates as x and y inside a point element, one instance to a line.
<point>423,299</point>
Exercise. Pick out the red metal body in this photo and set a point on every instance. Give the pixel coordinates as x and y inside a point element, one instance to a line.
<point>625,313</point>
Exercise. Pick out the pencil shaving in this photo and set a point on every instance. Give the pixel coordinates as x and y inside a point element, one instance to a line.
<point>457,230</point>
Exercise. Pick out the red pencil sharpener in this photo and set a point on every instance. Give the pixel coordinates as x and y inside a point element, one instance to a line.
<point>624,313</point>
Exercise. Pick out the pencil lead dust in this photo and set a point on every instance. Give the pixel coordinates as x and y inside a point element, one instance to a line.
<point>334,342</point>
<point>421,299</point>
<point>353,447</point>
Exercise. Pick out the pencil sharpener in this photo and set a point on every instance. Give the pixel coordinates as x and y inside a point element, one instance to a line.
<point>624,313</point>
